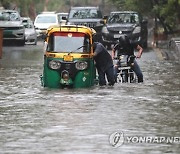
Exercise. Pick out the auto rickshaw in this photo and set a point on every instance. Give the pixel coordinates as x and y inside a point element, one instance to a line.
<point>68,57</point>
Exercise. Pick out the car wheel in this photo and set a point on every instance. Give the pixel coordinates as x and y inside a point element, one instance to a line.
<point>35,42</point>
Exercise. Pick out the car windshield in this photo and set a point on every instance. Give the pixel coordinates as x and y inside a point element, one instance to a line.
<point>85,13</point>
<point>69,42</point>
<point>60,16</point>
<point>27,23</point>
<point>9,16</point>
<point>46,19</point>
<point>123,18</point>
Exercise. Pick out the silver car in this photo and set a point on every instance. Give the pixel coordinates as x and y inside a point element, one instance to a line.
<point>30,32</point>
<point>13,29</point>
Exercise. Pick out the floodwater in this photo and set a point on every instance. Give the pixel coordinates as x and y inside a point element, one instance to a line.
<point>40,120</point>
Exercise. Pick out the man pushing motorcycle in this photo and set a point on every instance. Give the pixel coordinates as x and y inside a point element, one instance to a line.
<point>104,64</point>
<point>127,47</point>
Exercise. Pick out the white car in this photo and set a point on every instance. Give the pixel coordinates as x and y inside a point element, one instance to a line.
<point>45,20</point>
<point>30,32</point>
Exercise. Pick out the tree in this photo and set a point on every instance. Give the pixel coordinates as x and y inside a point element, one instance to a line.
<point>25,7</point>
<point>33,7</point>
<point>167,11</point>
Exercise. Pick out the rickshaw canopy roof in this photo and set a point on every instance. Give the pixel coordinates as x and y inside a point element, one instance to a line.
<point>71,28</point>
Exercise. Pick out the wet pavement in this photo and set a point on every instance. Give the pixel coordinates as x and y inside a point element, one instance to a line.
<point>39,120</point>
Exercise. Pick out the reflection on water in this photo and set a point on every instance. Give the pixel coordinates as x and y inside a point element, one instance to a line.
<point>34,119</point>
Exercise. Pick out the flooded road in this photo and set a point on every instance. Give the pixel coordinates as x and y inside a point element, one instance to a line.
<point>39,120</point>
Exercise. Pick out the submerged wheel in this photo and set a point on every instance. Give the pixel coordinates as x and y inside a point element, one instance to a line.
<point>124,76</point>
<point>131,76</point>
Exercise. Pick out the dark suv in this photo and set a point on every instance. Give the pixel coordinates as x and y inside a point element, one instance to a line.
<point>87,16</point>
<point>125,22</point>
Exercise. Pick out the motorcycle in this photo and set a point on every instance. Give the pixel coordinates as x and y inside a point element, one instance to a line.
<point>124,69</point>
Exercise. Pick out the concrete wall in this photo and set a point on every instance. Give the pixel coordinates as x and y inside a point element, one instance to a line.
<point>174,48</point>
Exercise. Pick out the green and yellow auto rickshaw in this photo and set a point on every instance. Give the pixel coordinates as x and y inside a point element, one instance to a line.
<point>68,58</point>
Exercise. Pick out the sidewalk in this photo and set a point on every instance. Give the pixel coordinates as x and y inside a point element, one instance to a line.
<point>168,50</point>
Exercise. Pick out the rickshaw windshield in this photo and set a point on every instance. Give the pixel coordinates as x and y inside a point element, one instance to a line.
<point>69,42</point>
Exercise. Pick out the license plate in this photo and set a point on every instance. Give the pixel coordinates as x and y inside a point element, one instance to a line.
<point>8,32</point>
<point>68,58</point>
<point>117,35</point>
<point>124,68</point>
<point>64,82</point>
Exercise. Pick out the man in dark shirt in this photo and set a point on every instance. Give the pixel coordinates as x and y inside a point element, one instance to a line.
<point>104,64</point>
<point>126,47</point>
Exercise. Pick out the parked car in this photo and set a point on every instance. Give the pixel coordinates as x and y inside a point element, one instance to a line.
<point>125,22</point>
<point>87,16</point>
<point>62,16</point>
<point>30,32</point>
<point>13,29</point>
<point>45,20</point>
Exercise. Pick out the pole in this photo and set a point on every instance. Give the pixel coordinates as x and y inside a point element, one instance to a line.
<point>1,42</point>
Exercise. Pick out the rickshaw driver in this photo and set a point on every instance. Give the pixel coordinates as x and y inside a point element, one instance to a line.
<point>104,64</point>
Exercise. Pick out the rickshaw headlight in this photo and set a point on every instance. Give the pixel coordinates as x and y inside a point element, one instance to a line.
<point>54,64</point>
<point>81,65</point>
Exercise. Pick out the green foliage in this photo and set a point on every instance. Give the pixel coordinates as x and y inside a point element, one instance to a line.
<point>168,13</point>
<point>119,3</point>
<point>144,7</point>
<point>22,6</point>
<point>55,5</point>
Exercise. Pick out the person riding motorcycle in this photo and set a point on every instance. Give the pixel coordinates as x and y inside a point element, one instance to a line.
<point>127,47</point>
